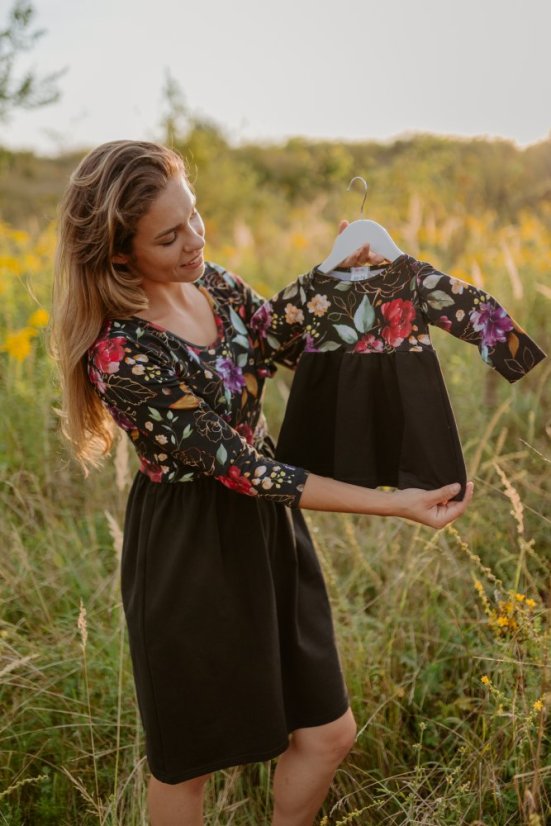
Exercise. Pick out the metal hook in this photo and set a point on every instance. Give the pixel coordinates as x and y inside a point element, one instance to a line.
<point>358,178</point>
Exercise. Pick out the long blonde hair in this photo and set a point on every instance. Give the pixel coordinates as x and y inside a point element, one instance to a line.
<point>108,193</point>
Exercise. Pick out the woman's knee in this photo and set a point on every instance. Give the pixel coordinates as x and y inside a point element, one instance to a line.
<point>332,741</point>
<point>193,787</point>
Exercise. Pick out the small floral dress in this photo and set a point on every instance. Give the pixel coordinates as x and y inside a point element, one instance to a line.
<point>230,630</point>
<point>368,404</point>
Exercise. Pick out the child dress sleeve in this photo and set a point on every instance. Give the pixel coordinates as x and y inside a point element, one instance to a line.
<point>475,316</point>
<point>277,325</point>
<point>141,388</point>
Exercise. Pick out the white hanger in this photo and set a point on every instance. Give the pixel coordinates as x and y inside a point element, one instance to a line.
<point>356,235</point>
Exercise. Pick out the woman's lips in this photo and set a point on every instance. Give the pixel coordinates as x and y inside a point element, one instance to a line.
<point>194,261</point>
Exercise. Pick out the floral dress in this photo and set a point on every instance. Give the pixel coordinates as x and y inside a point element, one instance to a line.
<point>368,404</point>
<point>229,624</point>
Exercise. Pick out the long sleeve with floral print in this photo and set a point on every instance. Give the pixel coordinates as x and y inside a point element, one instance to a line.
<point>390,312</point>
<point>194,410</point>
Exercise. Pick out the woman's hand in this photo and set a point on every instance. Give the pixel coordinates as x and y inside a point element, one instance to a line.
<point>362,256</point>
<point>430,507</point>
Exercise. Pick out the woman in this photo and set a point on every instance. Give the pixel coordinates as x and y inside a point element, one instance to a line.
<point>229,624</point>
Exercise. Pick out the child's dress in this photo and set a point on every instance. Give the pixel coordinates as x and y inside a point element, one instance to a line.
<point>368,404</point>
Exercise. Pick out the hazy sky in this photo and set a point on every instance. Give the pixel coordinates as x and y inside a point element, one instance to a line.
<point>355,69</point>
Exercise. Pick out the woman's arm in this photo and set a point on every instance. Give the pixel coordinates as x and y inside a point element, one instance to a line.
<point>429,507</point>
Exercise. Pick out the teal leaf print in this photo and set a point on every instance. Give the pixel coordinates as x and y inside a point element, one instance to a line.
<point>348,334</point>
<point>438,300</point>
<point>242,341</point>
<point>221,455</point>
<point>154,413</point>
<point>273,342</point>
<point>364,316</point>
<point>187,431</point>
<point>237,323</point>
<point>329,345</point>
<point>291,291</point>
<point>343,286</point>
<point>431,281</point>
<point>242,359</point>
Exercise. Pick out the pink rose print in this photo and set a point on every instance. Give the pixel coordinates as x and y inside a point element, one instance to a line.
<point>246,431</point>
<point>445,323</point>
<point>150,469</point>
<point>235,481</point>
<point>369,344</point>
<point>399,315</point>
<point>108,353</point>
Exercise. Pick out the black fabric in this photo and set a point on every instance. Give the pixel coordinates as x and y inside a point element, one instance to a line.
<point>338,394</point>
<point>229,626</point>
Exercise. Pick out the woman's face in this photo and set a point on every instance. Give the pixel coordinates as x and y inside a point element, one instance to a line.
<point>170,237</point>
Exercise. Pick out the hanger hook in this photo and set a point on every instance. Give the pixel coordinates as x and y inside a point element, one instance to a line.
<point>358,178</point>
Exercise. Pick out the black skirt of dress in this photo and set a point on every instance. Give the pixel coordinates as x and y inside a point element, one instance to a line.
<point>229,624</point>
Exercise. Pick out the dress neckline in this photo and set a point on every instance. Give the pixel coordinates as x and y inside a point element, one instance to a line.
<point>384,272</point>
<point>217,319</point>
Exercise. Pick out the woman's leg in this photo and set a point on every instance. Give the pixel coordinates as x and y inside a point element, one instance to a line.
<point>180,804</point>
<point>305,771</point>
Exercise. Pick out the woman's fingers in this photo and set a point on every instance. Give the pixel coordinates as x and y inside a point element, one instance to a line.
<point>443,511</point>
<point>362,255</point>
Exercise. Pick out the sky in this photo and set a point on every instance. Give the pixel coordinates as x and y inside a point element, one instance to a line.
<point>265,71</point>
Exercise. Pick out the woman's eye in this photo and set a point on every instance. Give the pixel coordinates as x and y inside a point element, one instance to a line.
<point>169,242</point>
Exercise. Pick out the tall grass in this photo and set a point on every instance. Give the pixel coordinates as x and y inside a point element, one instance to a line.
<point>444,636</point>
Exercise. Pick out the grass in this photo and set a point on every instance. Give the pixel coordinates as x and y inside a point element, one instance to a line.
<point>421,618</point>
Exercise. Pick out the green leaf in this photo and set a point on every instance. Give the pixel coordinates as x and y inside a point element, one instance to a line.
<point>237,322</point>
<point>343,286</point>
<point>221,455</point>
<point>348,334</point>
<point>154,413</point>
<point>439,299</point>
<point>242,341</point>
<point>364,316</point>
<point>329,345</point>
<point>290,291</point>
<point>273,342</point>
<point>186,433</point>
<point>431,281</point>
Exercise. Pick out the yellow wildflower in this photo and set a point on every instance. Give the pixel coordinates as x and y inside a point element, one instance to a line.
<point>478,586</point>
<point>39,318</point>
<point>18,344</point>
<point>502,621</point>
<point>520,597</point>
<point>538,705</point>
<point>299,240</point>
<point>486,680</point>
<point>531,603</point>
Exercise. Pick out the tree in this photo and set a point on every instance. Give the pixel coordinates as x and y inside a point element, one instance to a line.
<point>27,91</point>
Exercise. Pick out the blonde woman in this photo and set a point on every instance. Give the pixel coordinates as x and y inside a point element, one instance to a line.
<point>229,624</point>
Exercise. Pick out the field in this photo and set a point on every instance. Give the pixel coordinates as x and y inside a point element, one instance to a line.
<point>444,636</point>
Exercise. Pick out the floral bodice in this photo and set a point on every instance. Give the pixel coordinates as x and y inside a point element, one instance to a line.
<point>390,311</point>
<point>194,410</point>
